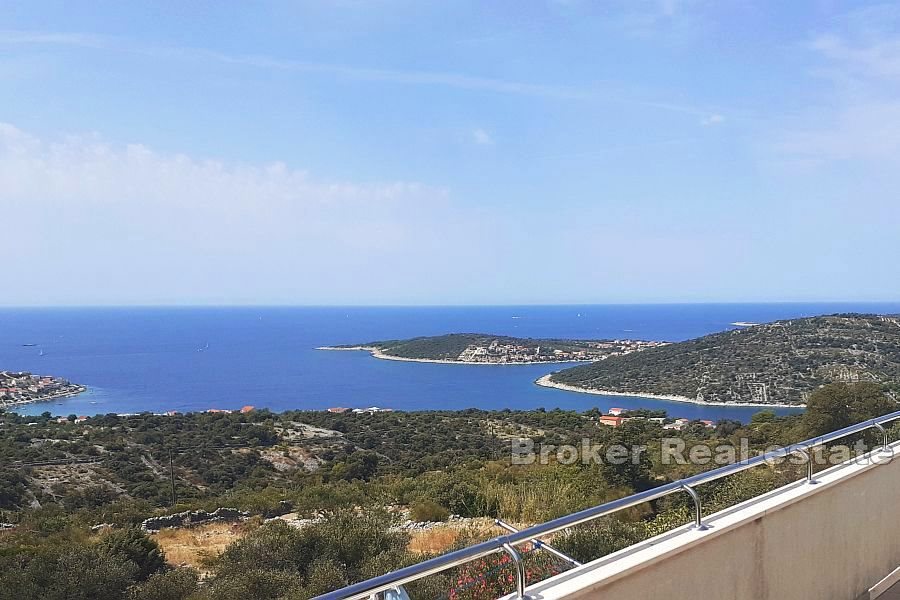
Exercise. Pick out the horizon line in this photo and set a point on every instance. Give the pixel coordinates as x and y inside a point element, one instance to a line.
<point>425,305</point>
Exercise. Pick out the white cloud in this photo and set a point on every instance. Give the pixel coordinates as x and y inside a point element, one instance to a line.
<point>875,58</point>
<point>93,171</point>
<point>858,118</point>
<point>482,137</point>
<point>713,119</point>
<point>89,221</point>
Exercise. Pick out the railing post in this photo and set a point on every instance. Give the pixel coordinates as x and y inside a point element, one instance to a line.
<point>885,443</point>
<point>520,569</point>
<point>698,507</point>
<point>539,544</point>
<point>809,465</point>
<point>884,434</point>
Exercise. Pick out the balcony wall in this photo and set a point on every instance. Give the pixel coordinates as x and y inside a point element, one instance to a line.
<point>829,541</point>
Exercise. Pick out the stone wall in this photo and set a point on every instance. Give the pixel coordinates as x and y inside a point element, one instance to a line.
<point>193,517</point>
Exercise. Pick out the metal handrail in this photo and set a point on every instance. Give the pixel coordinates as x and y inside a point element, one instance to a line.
<point>539,544</point>
<point>505,543</point>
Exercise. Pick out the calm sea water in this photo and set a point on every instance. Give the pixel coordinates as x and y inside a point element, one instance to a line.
<point>149,359</point>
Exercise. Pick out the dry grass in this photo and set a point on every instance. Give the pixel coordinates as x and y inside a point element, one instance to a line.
<point>435,540</point>
<point>191,546</point>
<point>441,538</point>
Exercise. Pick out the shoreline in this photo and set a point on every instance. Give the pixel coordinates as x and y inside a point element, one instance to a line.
<point>69,394</point>
<point>377,353</point>
<point>546,382</point>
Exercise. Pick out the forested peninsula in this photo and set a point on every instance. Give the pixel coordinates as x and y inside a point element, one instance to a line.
<point>480,348</point>
<point>777,363</point>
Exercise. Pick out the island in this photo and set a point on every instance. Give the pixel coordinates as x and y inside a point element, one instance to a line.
<point>486,349</point>
<point>771,364</point>
<point>20,387</point>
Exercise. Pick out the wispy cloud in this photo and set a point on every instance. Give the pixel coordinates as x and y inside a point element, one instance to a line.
<point>713,119</point>
<point>677,20</point>
<point>606,151</point>
<point>452,80</point>
<point>859,117</point>
<point>874,58</point>
<point>610,93</point>
<point>482,137</point>
<point>84,40</point>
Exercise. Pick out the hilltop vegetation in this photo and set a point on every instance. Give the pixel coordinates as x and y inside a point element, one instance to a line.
<point>779,362</point>
<point>356,477</point>
<point>441,347</point>
<point>326,457</point>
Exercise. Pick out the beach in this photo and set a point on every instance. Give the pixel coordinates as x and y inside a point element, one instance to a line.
<point>545,381</point>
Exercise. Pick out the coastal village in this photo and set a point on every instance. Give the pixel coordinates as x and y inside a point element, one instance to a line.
<point>497,352</point>
<point>23,388</point>
<point>616,417</point>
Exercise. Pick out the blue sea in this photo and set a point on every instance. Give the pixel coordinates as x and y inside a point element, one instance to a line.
<point>193,359</point>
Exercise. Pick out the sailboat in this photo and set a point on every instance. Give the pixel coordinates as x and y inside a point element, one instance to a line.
<point>204,348</point>
<point>41,353</point>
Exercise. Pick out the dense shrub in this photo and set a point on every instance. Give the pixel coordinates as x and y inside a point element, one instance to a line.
<point>136,546</point>
<point>278,560</point>
<point>176,584</point>
<point>70,572</point>
<point>426,510</point>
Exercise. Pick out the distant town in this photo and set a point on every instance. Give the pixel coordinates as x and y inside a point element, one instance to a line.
<point>23,388</point>
<point>516,352</point>
<point>478,348</point>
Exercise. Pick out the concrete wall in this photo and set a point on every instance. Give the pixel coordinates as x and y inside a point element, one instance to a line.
<point>830,541</point>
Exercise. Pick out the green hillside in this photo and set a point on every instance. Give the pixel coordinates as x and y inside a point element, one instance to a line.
<point>777,362</point>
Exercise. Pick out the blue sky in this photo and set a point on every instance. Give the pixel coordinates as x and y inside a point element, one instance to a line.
<point>392,152</point>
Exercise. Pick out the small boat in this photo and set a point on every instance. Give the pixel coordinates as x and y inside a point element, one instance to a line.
<point>29,345</point>
<point>41,353</point>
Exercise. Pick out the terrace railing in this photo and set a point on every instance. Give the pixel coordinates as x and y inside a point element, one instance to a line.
<point>508,543</point>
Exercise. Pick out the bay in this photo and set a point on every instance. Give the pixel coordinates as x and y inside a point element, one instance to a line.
<point>192,359</point>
